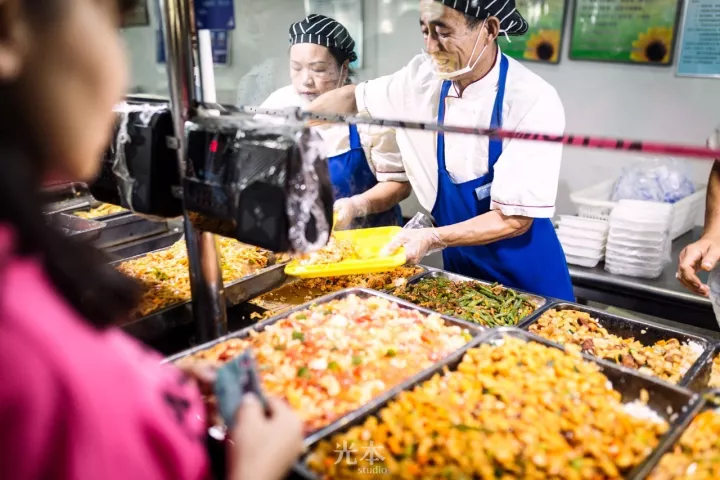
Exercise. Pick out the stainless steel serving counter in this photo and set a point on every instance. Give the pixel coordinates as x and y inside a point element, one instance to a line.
<point>663,297</point>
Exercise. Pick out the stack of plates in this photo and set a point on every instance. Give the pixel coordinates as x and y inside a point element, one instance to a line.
<point>583,240</point>
<point>639,240</point>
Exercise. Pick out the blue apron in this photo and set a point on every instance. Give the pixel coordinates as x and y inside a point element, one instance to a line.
<point>351,175</point>
<point>534,261</point>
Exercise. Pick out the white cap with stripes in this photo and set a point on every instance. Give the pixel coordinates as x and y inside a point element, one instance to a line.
<point>324,31</point>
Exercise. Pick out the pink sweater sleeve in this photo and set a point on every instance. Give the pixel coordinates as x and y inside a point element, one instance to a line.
<point>77,403</point>
<point>121,428</point>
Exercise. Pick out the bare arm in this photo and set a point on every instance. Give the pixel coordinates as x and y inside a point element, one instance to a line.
<point>712,203</point>
<point>340,100</point>
<point>704,254</point>
<point>483,229</point>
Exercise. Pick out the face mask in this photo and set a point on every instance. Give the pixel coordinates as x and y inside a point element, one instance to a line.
<point>444,60</point>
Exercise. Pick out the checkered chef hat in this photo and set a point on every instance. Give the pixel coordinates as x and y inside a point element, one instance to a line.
<point>511,22</point>
<point>324,31</point>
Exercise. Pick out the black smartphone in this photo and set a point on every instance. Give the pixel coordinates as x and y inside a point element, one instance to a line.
<point>235,379</point>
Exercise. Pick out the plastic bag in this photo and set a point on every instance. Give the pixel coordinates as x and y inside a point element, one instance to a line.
<point>658,180</point>
<point>714,284</point>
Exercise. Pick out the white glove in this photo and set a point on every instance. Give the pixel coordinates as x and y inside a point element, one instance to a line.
<point>418,243</point>
<point>348,209</point>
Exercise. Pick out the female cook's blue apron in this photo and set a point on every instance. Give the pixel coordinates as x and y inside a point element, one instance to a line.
<point>533,261</point>
<point>350,175</point>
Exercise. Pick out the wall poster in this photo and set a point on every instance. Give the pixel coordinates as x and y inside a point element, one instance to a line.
<point>628,31</point>
<point>544,39</point>
<point>699,48</point>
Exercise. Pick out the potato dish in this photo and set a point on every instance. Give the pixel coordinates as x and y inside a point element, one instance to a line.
<point>104,210</point>
<point>696,455</point>
<point>302,291</point>
<point>334,358</point>
<point>668,360</point>
<point>166,278</point>
<point>512,411</point>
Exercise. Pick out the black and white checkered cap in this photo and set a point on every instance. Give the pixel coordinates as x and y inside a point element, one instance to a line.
<point>324,31</point>
<point>511,22</point>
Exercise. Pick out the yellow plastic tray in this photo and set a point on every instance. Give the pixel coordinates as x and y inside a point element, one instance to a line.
<point>369,242</point>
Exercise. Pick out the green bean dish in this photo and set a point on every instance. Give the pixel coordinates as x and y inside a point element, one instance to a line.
<point>486,305</point>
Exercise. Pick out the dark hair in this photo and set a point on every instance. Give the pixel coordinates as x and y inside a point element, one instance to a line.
<point>341,57</point>
<point>79,272</point>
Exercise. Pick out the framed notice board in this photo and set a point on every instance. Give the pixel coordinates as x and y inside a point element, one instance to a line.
<point>626,31</point>
<point>699,47</point>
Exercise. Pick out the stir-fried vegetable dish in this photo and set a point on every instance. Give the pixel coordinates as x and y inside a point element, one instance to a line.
<point>302,291</point>
<point>334,358</point>
<point>511,411</point>
<point>487,305</point>
<point>166,277</point>
<point>665,359</point>
<point>696,456</point>
<point>104,210</point>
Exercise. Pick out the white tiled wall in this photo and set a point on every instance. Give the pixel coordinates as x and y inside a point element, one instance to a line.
<point>626,101</point>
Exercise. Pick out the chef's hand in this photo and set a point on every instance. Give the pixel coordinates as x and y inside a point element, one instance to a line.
<point>701,255</point>
<point>338,101</point>
<point>264,448</point>
<point>347,209</point>
<point>418,243</point>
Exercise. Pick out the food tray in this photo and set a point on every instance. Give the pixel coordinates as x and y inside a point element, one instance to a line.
<point>570,240</point>
<point>643,331</point>
<point>541,303</point>
<point>672,403</point>
<point>241,290</point>
<point>369,243</point>
<point>75,227</point>
<point>702,379</point>
<point>475,331</point>
<point>584,224</point>
<point>669,441</point>
<point>126,227</point>
<point>583,252</point>
<point>298,297</point>
<point>627,268</point>
<point>143,246</point>
<point>583,261</point>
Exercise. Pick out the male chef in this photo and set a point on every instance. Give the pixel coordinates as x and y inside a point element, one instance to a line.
<point>491,199</point>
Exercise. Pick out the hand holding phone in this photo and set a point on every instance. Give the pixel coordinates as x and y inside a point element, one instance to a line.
<point>234,380</point>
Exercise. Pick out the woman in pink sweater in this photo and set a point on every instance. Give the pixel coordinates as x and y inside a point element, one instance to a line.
<point>78,399</point>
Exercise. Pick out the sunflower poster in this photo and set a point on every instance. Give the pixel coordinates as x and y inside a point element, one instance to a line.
<point>632,31</point>
<point>543,40</point>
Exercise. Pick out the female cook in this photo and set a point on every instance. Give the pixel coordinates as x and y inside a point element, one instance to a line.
<point>366,169</point>
<point>79,399</point>
<point>492,199</point>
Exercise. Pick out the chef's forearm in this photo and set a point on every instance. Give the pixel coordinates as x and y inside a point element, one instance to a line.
<point>712,207</point>
<point>384,196</point>
<point>341,100</point>
<point>483,229</point>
